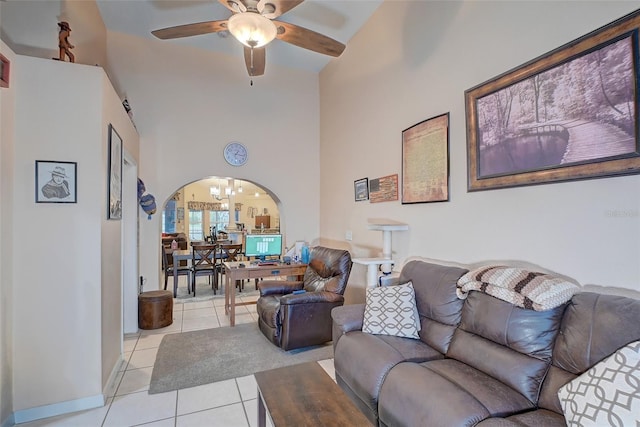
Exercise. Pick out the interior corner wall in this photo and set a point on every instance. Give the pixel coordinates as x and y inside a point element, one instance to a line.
<point>413,61</point>
<point>7,146</point>
<point>112,233</point>
<point>57,320</point>
<point>187,112</point>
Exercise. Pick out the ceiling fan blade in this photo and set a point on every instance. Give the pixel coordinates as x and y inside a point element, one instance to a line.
<point>255,65</point>
<point>273,8</point>
<point>308,39</point>
<point>234,6</point>
<point>189,30</point>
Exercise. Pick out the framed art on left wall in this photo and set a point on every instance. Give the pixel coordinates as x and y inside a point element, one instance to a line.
<point>56,182</point>
<point>115,175</point>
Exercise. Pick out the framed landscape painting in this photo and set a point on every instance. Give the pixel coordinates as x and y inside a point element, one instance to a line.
<point>570,114</point>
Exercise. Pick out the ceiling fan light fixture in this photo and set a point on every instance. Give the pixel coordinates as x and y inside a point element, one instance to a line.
<point>252,29</point>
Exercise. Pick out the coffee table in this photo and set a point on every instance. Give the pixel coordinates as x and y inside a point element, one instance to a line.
<point>304,395</point>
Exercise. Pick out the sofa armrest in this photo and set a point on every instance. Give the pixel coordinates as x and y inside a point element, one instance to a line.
<point>348,318</point>
<point>279,287</point>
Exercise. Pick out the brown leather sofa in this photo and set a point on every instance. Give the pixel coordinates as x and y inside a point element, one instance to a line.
<point>480,361</point>
<point>303,319</point>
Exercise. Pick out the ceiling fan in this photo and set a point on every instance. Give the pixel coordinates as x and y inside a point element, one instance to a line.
<point>253,24</point>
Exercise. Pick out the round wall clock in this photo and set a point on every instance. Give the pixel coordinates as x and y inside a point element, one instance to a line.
<point>235,154</point>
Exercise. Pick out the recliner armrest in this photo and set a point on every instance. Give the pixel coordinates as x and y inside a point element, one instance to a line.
<point>279,287</point>
<point>310,298</point>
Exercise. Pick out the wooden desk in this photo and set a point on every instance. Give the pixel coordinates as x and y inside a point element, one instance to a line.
<point>304,395</point>
<point>252,271</point>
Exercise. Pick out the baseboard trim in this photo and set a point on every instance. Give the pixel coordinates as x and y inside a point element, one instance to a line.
<point>113,376</point>
<point>8,422</point>
<point>60,408</point>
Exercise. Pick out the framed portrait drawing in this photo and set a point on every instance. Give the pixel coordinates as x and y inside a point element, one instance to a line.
<point>570,114</point>
<point>115,175</point>
<point>361,188</point>
<point>425,161</point>
<point>56,182</point>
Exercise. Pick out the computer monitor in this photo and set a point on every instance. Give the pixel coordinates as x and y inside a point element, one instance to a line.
<point>263,245</point>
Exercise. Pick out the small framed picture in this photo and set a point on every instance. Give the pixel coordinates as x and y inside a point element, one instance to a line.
<point>56,182</point>
<point>4,71</point>
<point>361,187</point>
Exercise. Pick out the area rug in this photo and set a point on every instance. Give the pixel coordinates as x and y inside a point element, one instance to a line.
<point>194,358</point>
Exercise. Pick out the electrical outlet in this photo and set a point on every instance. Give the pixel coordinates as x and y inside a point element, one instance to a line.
<point>348,235</point>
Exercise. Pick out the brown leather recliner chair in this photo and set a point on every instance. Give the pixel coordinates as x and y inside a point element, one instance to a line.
<point>303,319</point>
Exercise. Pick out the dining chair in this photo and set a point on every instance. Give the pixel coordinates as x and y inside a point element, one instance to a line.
<point>167,266</point>
<point>229,252</point>
<point>203,263</point>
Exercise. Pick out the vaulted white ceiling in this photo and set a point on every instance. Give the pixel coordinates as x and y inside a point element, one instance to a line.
<point>338,19</point>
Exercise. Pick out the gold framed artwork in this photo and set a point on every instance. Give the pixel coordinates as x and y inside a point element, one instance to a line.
<point>425,161</point>
<point>570,114</point>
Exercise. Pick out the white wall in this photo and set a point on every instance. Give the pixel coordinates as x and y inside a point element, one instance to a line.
<point>7,141</point>
<point>67,306</point>
<point>39,36</point>
<point>414,60</point>
<point>188,104</point>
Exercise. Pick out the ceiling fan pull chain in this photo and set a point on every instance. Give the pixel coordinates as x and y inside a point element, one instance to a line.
<point>251,66</point>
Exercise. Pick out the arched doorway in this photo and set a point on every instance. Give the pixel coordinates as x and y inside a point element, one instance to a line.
<point>228,204</point>
<point>228,208</point>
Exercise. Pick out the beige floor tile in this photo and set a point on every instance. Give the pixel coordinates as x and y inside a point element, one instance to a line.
<point>251,408</point>
<point>225,416</point>
<point>198,313</point>
<point>168,422</point>
<point>138,408</point>
<point>176,326</point>
<point>327,365</point>
<point>200,323</point>
<point>197,305</point>
<point>248,387</point>
<point>135,380</point>
<point>207,396</point>
<point>142,358</point>
<point>149,341</point>
<point>129,343</point>
<point>125,360</point>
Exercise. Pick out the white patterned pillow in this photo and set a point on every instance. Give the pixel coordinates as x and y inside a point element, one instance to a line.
<point>607,394</point>
<point>391,310</point>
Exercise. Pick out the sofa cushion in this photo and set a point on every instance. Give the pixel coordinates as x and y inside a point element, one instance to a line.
<point>509,343</point>
<point>362,362</point>
<point>590,332</point>
<point>438,306</point>
<point>444,393</point>
<point>391,310</point>
<point>607,394</point>
<point>535,418</point>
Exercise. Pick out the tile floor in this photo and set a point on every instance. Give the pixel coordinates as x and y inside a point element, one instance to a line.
<point>227,403</point>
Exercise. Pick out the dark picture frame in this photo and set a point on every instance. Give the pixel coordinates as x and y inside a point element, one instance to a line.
<point>570,114</point>
<point>425,161</point>
<point>5,67</point>
<point>56,181</point>
<point>361,189</point>
<point>114,196</point>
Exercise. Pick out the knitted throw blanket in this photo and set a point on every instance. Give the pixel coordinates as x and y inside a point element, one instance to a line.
<point>526,289</point>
